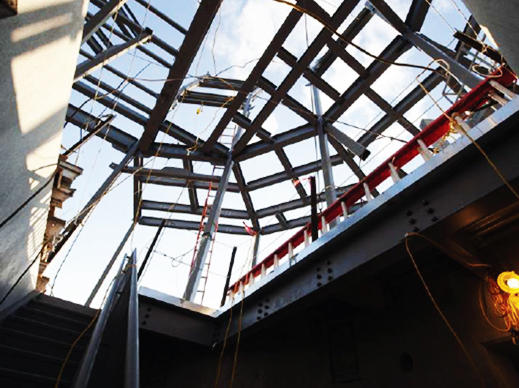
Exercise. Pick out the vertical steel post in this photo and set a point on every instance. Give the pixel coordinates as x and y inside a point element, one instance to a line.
<point>137,190</point>
<point>256,249</point>
<point>131,370</point>
<point>110,265</point>
<point>329,190</point>
<point>313,205</point>
<point>87,363</point>
<point>150,250</point>
<point>228,279</point>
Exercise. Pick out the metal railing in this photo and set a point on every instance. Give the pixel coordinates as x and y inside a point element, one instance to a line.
<point>127,272</point>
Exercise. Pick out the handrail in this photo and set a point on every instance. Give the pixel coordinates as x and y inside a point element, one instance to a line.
<point>127,272</point>
<point>484,92</point>
<point>87,363</point>
<point>131,370</point>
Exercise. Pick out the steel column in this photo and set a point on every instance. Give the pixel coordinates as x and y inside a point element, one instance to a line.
<point>131,368</point>
<point>255,251</point>
<point>228,278</point>
<point>329,189</point>
<point>87,363</point>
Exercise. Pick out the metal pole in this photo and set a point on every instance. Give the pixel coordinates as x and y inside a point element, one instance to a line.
<point>137,190</point>
<point>228,279</point>
<point>131,370</point>
<point>256,249</point>
<point>110,265</point>
<point>329,190</point>
<point>87,209</point>
<point>150,250</point>
<point>313,206</point>
<point>85,369</point>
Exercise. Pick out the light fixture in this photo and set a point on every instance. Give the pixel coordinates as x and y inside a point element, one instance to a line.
<point>508,282</point>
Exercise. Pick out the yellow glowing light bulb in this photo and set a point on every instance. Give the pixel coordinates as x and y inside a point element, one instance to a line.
<point>508,282</point>
<point>513,283</point>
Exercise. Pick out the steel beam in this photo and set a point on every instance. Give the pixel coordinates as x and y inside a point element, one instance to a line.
<point>122,76</point>
<point>116,93</point>
<point>417,13</point>
<point>315,47</point>
<point>465,76</point>
<point>358,149</point>
<point>169,172</point>
<point>96,128</point>
<point>295,204</point>
<point>283,158</point>
<point>232,187</point>
<point>233,213</point>
<point>147,4</point>
<point>459,71</point>
<point>108,55</point>
<point>391,53</point>
<point>283,139</point>
<point>327,60</point>
<point>191,225</point>
<point>122,20</point>
<point>401,108</point>
<point>119,139</point>
<point>202,20</point>
<point>279,177</point>
<point>167,127</point>
<point>244,191</point>
<point>249,85</point>
<point>187,209</point>
<point>97,20</point>
<point>193,197</point>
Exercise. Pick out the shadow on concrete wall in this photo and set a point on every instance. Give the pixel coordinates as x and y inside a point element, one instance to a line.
<point>35,86</point>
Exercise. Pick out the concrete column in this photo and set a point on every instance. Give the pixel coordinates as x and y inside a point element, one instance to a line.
<point>35,91</point>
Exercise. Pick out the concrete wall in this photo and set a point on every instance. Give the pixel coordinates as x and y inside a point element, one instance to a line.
<point>500,18</point>
<point>39,49</point>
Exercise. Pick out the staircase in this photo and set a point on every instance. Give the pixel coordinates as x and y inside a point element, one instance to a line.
<point>35,339</point>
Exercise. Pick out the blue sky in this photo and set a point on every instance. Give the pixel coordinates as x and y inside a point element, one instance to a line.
<point>240,33</point>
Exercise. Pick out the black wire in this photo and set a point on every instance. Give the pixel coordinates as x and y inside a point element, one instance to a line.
<point>26,202</point>
<point>22,275</point>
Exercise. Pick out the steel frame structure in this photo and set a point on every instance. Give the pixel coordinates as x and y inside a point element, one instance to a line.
<point>114,19</point>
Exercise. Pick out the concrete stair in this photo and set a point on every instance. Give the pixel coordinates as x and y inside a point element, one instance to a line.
<point>37,337</point>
